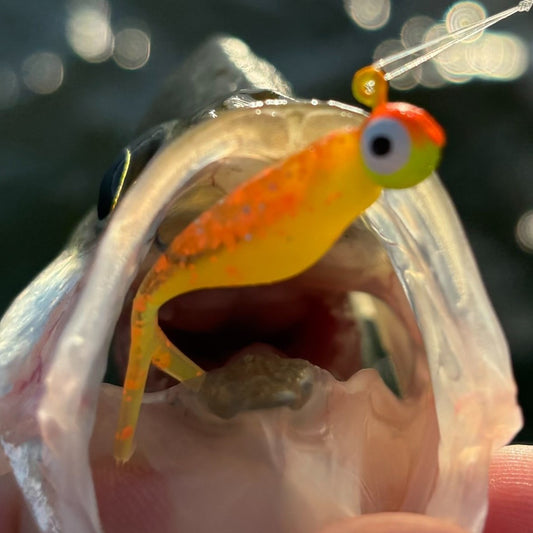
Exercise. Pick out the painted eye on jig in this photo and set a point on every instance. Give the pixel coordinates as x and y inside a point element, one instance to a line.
<point>400,145</point>
<point>386,146</point>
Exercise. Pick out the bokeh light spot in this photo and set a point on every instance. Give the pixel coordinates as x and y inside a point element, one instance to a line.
<point>501,56</point>
<point>132,48</point>
<point>368,14</point>
<point>9,87</point>
<point>414,30</point>
<point>42,72</point>
<point>524,232</point>
<point>89,32</point>
<point>464,14</point>
<point>428,75</point>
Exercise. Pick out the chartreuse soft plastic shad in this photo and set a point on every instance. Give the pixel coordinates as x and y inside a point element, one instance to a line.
<point>259,233</point>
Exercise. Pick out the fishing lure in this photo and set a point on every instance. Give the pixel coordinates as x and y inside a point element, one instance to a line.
<point>259,233</point>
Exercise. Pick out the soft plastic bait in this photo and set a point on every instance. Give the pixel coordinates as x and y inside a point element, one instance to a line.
<point>260,233</point>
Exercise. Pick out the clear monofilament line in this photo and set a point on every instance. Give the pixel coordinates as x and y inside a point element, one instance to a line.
<point>448,40</point>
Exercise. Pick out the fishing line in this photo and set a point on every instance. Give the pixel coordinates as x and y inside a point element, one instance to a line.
<point>448,40</point>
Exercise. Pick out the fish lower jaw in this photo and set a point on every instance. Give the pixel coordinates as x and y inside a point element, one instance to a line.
<point>352,448</point>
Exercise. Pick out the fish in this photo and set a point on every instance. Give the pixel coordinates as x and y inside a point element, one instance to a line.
<point>397,294</point>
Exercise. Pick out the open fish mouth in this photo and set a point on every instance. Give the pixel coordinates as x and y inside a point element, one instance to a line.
<point>333,316</point>
<point>293,383</point>
<point>384,378</point>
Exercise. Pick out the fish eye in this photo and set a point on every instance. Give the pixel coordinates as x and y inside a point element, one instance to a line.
<point>127,167</point>
<point>386,146</point>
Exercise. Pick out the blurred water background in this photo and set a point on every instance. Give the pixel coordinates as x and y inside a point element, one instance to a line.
<point>77,76</point>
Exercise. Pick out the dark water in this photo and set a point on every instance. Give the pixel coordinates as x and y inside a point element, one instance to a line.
<point>54,148</point>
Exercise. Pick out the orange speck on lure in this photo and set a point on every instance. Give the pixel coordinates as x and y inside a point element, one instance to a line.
<point>259,233</point>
